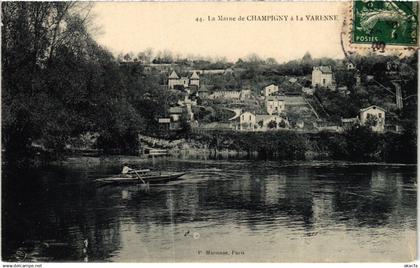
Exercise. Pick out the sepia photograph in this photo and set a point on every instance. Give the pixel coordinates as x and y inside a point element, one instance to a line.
<point>228,132</point>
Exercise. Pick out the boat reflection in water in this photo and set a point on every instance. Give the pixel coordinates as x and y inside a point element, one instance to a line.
<point>219,211</point>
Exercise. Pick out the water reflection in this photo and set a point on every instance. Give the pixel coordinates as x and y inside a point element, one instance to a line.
<point>271,211</point>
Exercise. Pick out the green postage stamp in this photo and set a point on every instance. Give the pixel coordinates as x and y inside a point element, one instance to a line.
<point>385,22</point>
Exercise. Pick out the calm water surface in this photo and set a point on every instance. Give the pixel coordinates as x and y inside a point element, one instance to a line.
<point>246,210</point>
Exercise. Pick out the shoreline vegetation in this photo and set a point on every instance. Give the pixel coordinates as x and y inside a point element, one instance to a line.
<point>358,144</point>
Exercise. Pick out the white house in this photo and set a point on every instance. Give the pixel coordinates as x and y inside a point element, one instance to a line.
<point>274,105</point>
<point>269,90</point>
<point>175,114</point>
<point>225,94</point>
<point>261,122</point>
<point>245,94</point>
<point>374,115</point>
<point>322,76</point>
<point>308,91</point>
<point>247,121</point>
<point>195,80</point>
<point>175,80</point>
<point>350,66</point>
<point>265,122</point>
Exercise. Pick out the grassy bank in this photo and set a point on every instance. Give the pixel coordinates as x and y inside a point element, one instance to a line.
<point>357,144</point>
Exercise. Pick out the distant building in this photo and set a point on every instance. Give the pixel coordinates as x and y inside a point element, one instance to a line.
<point>245,94</point>
<point>274,105</point>
<point>308,91</point>
<point>228,71</point>
<point>343,90</point>
<point>203,92</point>
<point>247,121</point>
<point>160,67</point>
<point>300,124</point>
<point>269,90</point>
<point>226,94</point>
<point>350,66</point>
<point>266,122</point>
<point>175,114</point>
<point>174,80</point>
<point>373,116</point>
<point>195,80</point>
<point>261,122</point>
<point>322,76</point>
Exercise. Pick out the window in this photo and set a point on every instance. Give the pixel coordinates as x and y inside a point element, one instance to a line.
<point>249,117</point>
<point>323,81</point>
<point>380,115</point>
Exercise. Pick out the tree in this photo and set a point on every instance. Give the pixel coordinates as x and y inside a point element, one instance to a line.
<point>271,61</point>
<point>272,124</point>
<point>282,124</point>
<point>307,58</point>
<point>58,83</point>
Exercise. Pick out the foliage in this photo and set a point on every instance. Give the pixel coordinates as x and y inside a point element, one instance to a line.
<point>58,83</point>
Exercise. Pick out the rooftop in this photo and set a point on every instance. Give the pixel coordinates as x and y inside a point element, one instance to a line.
<point>175,110</point>
<point>173,75</point>
<point>324,69</point>
<point>372,107</point>
<point>194,76</point>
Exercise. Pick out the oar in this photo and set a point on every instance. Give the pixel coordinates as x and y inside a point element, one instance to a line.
<point>139,176</point>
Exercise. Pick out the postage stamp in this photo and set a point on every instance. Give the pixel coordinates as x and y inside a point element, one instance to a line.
<point>380,27</point>
<point>386,22</point>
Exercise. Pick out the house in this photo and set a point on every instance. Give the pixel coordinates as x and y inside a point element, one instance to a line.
<point>203,92</point>
<point>228,71</point>
<point>261,122</point>
<point>247,121</point>
<point>160,67</point>
<point>322,76</point>
<point>350,66</point>
<point>174,80</point>
<point>266,122</point>
<point>308,91</point>
<point>300,124</point>
<point>195,80</point>
<point>184,81</point>
<point>343,90</point>
<point>274,105</point>
<point>373,116</point>
<point>225,94</point>
<point>175,114</point>
<point>245,94</point>
<point>164,124</point>
<point>269,90</point>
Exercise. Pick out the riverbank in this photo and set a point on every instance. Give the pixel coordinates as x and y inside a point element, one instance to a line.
<point>355,144</point>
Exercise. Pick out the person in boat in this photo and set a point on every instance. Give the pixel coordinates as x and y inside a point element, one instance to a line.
<point>127,171</point>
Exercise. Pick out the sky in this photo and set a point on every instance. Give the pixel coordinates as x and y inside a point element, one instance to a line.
<point>134,26</point>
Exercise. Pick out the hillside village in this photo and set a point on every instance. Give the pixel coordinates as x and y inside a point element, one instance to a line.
<point>296,104</point>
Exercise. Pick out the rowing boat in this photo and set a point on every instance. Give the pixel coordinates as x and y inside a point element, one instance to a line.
<point>149,177</point>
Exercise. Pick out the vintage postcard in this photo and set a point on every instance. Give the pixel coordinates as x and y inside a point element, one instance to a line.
<point>228,132</point>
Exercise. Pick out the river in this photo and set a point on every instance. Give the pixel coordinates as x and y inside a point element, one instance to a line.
<point>221,210</point>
